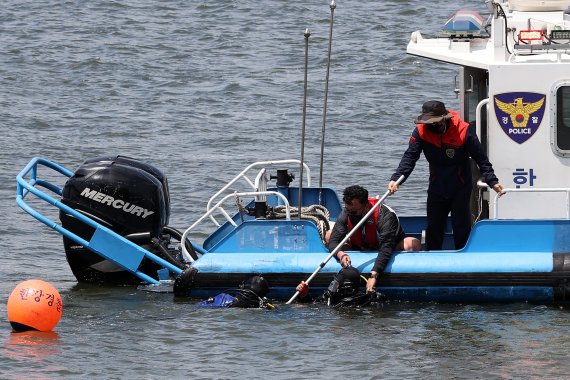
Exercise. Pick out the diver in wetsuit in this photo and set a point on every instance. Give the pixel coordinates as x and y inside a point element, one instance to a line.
<point>250,294</point>
<point>343,291</point>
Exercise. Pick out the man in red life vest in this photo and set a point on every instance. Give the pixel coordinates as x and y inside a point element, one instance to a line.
<point>447,143</point>
<point>382,232</point>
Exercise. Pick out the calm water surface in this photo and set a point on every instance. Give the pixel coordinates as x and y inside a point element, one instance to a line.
<point>200,90</point>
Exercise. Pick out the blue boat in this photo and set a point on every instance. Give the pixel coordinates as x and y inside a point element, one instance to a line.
<point>513,83</point>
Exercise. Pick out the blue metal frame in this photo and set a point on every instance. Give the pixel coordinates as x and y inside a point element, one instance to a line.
<point>104,242</point>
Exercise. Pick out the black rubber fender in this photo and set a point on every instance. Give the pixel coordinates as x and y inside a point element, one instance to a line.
<point>184,283</point>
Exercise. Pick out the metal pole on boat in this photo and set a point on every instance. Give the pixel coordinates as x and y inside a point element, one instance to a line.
<point>307,34</point>
<point>339,246</point>
<point>333,7</point>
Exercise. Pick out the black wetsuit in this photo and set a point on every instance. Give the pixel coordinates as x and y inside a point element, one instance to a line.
<point>344,291</point>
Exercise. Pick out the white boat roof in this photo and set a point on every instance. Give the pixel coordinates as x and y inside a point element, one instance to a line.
<point>490,49</point>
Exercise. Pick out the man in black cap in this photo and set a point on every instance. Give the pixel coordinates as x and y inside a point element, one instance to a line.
<point>447,143</point>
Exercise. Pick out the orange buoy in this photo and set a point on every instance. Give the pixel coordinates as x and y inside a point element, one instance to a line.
<point>34,305</point>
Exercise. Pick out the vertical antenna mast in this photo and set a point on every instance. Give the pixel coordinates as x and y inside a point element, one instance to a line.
<point>333,7</point>
<point>307,34</point>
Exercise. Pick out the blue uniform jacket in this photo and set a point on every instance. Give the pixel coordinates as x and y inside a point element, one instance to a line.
<point>448,157</point>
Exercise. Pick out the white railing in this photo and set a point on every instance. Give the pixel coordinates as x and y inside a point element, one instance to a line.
<point>218,207</point>
<point>478,120</point>
<point>258,190</point>
<point>554,52</point>
<point>534,190</point>
<point>255,186</point>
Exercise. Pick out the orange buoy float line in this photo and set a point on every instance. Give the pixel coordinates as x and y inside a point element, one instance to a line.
<point>34,305</point>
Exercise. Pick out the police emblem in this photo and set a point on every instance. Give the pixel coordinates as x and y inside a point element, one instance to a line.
<point>519,113</point>
<point>450,152</point>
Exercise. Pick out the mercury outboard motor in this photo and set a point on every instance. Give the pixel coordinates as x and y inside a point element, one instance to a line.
<point>127,196</point>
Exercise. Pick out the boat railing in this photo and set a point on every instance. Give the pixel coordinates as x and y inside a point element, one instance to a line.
<point>479,118</point>
<point>534,190</point>
<point>218,208</point>
<point>523,50</point>
<point>105,242</point>
<point>254,185</point>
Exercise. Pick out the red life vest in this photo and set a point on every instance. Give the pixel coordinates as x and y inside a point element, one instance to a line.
<point>454,137</point>
<point>369,228</point>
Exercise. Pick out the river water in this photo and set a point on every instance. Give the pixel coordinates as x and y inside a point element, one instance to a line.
<point>201,90</point>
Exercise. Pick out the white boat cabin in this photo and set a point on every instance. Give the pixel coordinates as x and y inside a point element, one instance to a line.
<point>515,83</point>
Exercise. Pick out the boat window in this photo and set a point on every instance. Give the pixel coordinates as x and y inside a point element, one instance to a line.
<point>563,119</point>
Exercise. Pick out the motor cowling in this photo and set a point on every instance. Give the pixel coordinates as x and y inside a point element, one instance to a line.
<point>126,195</point>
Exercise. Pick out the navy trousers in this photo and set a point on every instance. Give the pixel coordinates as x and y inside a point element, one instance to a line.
<point>438,208</point>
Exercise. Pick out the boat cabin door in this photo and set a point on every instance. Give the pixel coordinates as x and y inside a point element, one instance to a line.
<point>472,88</point>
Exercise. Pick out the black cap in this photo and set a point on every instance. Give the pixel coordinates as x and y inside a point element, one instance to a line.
<point>433,111</point>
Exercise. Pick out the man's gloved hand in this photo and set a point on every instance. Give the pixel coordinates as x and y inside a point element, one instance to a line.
<point>303,289</point>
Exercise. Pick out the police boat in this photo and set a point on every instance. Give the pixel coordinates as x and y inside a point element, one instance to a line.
<point>513,82</point>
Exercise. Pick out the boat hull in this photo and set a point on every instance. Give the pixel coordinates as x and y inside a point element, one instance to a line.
<point>443,277</point>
